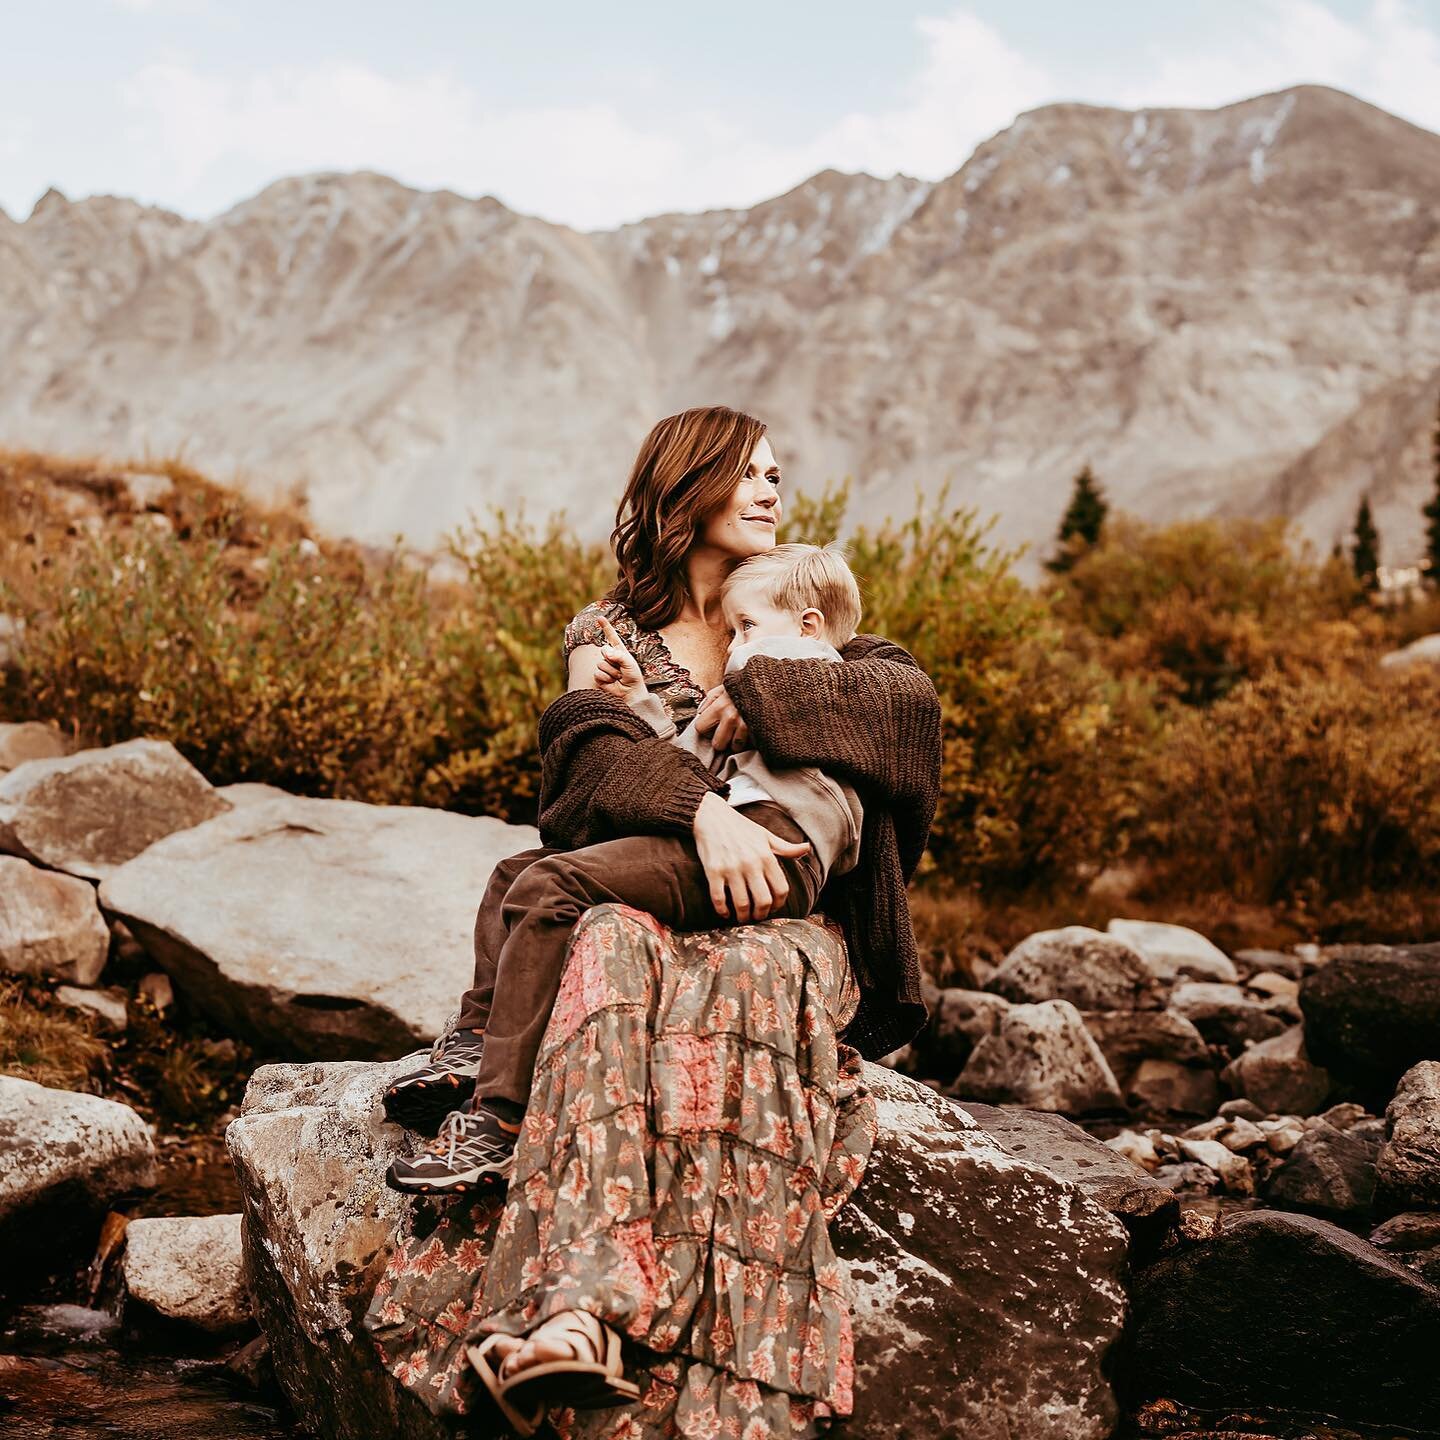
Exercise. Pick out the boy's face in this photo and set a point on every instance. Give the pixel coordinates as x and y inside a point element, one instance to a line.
<point>751,616</point>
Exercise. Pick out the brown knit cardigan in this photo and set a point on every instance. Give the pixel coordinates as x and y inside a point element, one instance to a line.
<point>874,721</point>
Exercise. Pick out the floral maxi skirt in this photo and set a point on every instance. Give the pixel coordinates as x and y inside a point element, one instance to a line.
<point>693,1125</point>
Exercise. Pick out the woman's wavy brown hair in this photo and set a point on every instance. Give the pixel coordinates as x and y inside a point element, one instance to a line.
<point>686,470</point>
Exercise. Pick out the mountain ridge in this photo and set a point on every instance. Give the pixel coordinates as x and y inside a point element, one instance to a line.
<point>1190,300</point>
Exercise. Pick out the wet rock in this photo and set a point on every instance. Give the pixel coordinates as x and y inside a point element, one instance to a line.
<point>959,1019</point>
<point>90,812</point>
<point>1279,1075</point>
<point>30,740</point>
<point>1126,1037</point>
<point>64,1154</point>
<point>107,1008</point>
<point>1041,1056</point>
<point>318,927</point>
<point>1107,1174</point>
<point>50,924</point>
<point>1174,952</point>
<point>1288,1312</point>
<point>1408,1168</point>
<point>1329,1172</point>
<point>988,1290</point>
<point>1374,1011</point>
<point>1225,1015</point>
<point>188,1268</point>
<point>1164,1087</point>
<point>1090,970</point>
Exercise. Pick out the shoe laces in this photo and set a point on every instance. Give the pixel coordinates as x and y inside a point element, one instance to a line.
<point>453,1133</point>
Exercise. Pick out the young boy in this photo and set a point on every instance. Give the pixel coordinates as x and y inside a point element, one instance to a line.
<point>795,601</point>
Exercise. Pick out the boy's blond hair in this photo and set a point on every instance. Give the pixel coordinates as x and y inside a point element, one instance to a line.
<point>802,577</point>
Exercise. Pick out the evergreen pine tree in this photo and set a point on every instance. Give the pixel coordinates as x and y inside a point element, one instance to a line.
<point>1365,552</point>
<point>1082,523</point>
<point>1432,516</point>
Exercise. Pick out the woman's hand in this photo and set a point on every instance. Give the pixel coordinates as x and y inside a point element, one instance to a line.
<point>739,857</point>
<point>717,712</point>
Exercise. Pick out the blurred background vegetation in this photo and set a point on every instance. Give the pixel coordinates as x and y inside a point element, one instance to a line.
<point>1187,721</point>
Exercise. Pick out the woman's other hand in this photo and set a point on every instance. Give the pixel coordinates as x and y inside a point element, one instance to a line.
<point>717,712</point>
<point>739,857</point>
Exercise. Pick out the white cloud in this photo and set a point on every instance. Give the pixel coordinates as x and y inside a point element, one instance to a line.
<point>214,140</point>
<point>1391,59</point>
<point>199,140</point>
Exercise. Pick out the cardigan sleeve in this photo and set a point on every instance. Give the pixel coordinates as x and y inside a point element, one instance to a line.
<point>874,719</point>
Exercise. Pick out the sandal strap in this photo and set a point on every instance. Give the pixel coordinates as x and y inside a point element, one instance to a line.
<point>571,1325</point>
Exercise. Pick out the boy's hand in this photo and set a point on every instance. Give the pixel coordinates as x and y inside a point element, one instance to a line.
<point>717,712</point>
<point>617,672</point>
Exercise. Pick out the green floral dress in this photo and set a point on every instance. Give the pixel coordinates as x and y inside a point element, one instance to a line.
<point>694,1124</point>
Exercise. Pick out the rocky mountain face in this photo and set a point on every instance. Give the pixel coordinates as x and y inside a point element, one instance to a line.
<point>1223,311</point>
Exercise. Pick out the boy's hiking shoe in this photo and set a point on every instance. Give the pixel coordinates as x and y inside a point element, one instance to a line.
<point>424,1097</point>
<point>471,1150</point>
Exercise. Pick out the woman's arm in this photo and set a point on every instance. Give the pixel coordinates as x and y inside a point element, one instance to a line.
<point>605,773</point>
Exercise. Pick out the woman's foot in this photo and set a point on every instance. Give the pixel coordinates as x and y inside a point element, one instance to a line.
<point>575,1359</point>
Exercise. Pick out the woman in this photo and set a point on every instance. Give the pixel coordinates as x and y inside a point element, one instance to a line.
<point>704,494</point>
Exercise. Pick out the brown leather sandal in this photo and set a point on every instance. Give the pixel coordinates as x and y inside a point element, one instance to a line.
<point>592,1379</point>
<point>479,1357</point>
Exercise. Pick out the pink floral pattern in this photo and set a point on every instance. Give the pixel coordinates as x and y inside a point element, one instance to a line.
<point>694,1123</point>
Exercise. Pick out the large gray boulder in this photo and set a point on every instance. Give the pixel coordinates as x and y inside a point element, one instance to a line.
<point>188,1268</point>
<point>1091,970</point>
<point>1043,1057</point>
<point>64,1155</point>
<point>90,812</point>
<point>50,924</point>
<point>988,1290</point>
<point>318,928</point>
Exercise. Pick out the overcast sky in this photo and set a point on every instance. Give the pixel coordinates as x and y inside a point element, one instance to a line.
<point>593,114</point>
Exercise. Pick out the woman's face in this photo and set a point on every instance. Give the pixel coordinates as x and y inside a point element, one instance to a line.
<point>747,522</point>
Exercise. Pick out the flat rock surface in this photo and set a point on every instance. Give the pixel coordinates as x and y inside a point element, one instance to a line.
<point>62,1151</point>
<point>188,1268</point>
<point>988,1288</point>
<point>318,928</point>
<point>90,812</point>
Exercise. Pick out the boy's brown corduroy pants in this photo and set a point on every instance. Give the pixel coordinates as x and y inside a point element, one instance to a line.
<point>531,904</point>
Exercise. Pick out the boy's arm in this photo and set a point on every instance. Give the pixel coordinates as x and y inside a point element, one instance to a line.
<point>650,708</point>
